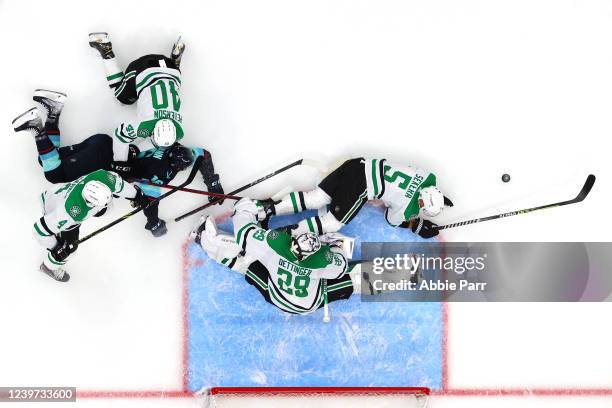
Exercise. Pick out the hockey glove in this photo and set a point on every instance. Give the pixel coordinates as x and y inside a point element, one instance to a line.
<point>214,186</point>
<point>424,228</point>
<point>62,250</point>
<point>123,168</point>
<point>141,200</point>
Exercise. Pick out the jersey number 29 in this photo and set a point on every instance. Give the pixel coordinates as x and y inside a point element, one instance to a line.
<point>300,284</point>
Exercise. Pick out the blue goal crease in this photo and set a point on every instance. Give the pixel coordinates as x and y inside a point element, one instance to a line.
<point>236,338</point>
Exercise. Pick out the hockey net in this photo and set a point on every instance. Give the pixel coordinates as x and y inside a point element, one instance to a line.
<point>318,397</point>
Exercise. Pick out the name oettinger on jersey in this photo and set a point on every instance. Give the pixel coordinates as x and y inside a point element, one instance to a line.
<point>291,267</point>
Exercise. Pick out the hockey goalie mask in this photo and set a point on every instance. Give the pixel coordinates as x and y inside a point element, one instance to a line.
<point>164,134</point>
<point>433,201</point>
<point>96,194</point>
<point>305,245</point>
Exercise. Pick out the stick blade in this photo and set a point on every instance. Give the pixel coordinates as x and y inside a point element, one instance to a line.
<point>586,189</point>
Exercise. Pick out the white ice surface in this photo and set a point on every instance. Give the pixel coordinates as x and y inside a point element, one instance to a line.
<point>469,89</point>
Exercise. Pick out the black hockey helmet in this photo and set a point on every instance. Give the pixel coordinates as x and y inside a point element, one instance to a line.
<point>180,157</point>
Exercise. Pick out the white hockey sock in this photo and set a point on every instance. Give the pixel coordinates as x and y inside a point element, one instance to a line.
<point>114,74</point>
<point>302,200</point>
<point>319,224</point>
<point>52,264</point>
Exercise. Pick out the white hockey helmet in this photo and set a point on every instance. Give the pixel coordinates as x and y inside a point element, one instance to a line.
<point>164,134</point>
<point>433,201</point>
<point>305,244</point>
<point>97,194</point>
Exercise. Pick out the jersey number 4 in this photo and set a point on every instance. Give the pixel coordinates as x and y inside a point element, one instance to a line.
<point>300,284</point>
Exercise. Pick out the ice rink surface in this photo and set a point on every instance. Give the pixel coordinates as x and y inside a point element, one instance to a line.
<point>468,89</point>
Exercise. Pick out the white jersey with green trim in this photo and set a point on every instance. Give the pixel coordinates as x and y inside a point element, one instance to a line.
<point>398,187</point>
<point>158,92</point>
<point>64,207</point>
<point>293,286</point>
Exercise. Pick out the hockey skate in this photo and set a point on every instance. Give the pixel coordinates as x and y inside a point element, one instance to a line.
<point>158,228</point>
<point>205,224</point>
<point>29,122</point>
<point>52,101</point>
<point>101,42</point>
<point>177,52</point>
<point>58,274</point>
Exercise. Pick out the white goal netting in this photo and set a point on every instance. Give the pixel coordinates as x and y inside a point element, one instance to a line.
<point>318,397</point>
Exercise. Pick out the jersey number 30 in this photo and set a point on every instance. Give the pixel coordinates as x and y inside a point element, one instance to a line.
<point>300,284</point>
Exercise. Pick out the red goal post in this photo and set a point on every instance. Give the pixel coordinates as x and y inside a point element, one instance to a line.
<point>319,397</point>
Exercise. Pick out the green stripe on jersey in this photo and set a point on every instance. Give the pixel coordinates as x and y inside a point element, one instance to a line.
<point>241,230</point>
<point>310,226</point>
<point>145,79</point>
<point>114,76</point>
<point>339,286</point>
<point>127,76</point>
<point>374,181</point>
<point>294,203</point>
<point>121,138</point>
<point>39,231</point>
<point>256,279</point>
<point>53,261</point>
<point>350,212</point>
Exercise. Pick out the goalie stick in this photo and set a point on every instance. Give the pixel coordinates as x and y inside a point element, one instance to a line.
<point>189,179</point>
<point>588,185</point>
<point>238,190</point>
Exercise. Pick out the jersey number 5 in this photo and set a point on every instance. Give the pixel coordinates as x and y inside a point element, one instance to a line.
<point>300,284</point>
<point>397,174</point>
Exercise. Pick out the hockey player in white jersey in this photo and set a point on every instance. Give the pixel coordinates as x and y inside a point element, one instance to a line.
<point>288,271</point>
<point>408,193</point>
<point>62,164</point>
<point>154,83</point>
<point>65,207</point>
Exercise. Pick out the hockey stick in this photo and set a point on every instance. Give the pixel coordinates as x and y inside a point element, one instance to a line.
<point>189,190</point>
<point>326,318</point>
<point>580,197</point>
<point>189,179</point>
<point>238,190</point>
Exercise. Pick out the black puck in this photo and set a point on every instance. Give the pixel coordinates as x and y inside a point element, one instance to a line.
<point>505,177</point>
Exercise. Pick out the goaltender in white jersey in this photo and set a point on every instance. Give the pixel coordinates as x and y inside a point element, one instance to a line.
<point>288,271</point>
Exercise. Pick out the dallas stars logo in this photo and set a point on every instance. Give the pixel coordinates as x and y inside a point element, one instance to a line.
<point>75,210</point>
